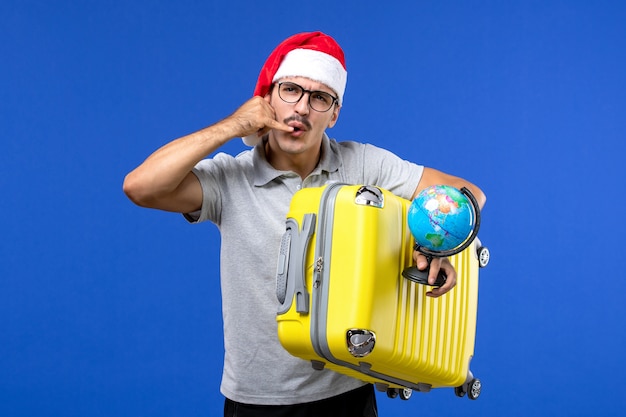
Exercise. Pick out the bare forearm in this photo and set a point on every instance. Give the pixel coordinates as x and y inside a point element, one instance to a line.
<point>162,173</point>
<point>435,177</point>
<point>164,180</point>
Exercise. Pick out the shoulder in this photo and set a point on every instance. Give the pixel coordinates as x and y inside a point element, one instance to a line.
<point>346,146</point>
<point>365,151</point>
<point>370,164</point>
<point>224,162</point>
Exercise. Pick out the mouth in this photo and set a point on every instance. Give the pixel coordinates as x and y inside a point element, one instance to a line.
<point>299,124</point>
<point>297,127</point>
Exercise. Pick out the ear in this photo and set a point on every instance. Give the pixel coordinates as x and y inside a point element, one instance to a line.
<point>268,95</point>
<point>334,117</point>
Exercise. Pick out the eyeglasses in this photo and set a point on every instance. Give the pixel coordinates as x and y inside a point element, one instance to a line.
<point>318,100</point>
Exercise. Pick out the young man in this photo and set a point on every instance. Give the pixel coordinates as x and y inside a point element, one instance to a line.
<point>298,95</point>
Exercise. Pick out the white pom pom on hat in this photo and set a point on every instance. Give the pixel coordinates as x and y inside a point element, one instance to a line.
<point>313,55</point>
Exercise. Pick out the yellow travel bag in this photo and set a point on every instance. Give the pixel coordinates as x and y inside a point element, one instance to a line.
<point>345,305</point>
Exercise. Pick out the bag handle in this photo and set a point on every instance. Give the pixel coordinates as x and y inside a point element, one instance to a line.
<point>290,272</point>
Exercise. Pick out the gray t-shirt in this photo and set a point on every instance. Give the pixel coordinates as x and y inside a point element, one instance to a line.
<point>248,200</point>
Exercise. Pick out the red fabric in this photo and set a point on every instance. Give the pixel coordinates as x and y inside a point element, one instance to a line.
<point>316,41</point>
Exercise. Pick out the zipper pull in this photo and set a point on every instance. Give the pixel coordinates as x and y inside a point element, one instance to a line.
<point>319,266</point>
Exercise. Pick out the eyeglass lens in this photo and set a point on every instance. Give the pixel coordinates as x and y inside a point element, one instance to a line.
<point>318,100</point>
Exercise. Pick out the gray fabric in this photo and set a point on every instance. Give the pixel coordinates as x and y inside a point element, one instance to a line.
<point>248,200</point>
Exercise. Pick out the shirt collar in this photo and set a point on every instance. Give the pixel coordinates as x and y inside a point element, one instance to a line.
<point>265,173</point>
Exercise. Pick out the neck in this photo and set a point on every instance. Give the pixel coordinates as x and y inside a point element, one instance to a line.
<point>302,163</point>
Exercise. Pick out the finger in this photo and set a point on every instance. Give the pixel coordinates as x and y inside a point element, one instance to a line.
<point>274,124</point>
<point>450,283</point>
<point>420,260</point>
<point>433,272</point>
<point>270,121</point>
<point>439,291</point>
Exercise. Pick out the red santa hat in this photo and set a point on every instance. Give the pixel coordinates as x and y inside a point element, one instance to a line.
<point>313,55</point>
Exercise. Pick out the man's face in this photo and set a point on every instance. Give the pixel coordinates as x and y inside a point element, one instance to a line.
<point>309,124</point>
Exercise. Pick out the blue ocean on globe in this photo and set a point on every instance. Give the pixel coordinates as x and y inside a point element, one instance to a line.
<point>441,218</point>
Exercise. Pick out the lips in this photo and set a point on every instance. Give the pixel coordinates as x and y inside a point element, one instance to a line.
<point>297,126</point>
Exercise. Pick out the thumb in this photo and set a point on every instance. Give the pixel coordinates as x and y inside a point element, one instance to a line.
<point>421,261</point>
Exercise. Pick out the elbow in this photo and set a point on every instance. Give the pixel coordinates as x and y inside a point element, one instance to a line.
<point>480,197</point>
<point>135,190</point>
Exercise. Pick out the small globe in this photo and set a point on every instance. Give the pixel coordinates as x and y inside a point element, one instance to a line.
<point>441,218</point>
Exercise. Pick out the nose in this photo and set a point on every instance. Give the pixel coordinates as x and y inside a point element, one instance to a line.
<point>302,106</point>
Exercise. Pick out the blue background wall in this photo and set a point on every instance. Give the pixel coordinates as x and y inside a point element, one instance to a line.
<point>107,309</point>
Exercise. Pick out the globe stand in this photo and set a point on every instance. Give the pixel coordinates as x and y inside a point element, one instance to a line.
<point>420,276</point>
